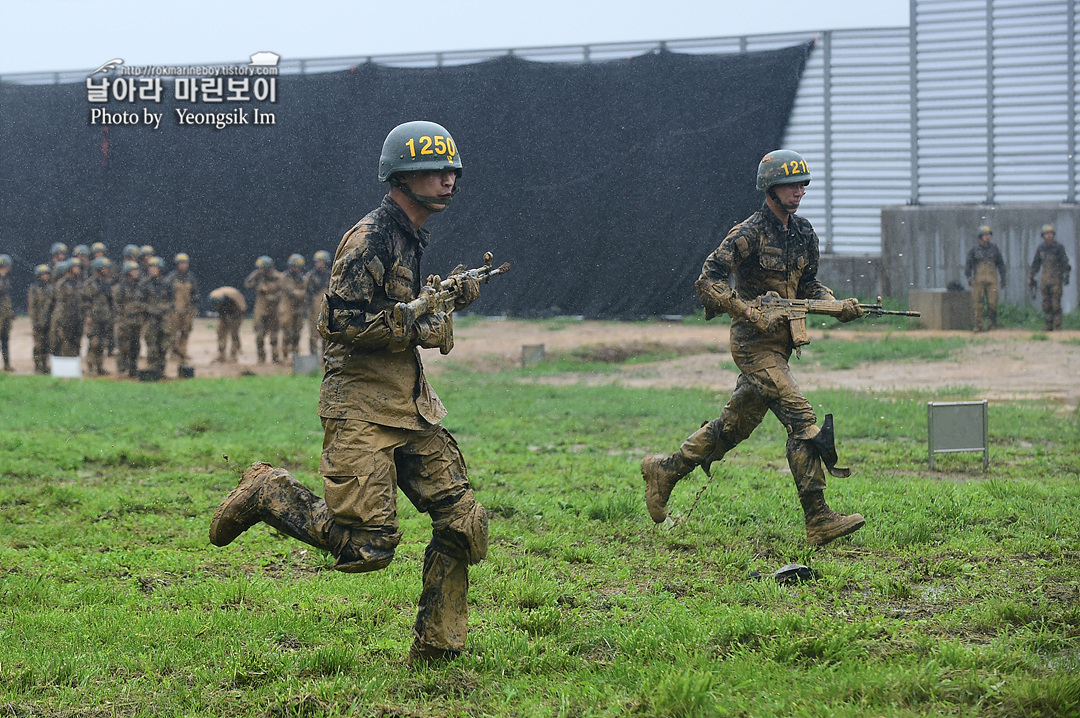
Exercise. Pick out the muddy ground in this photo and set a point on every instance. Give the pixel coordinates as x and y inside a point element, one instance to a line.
<point>1004,364</point>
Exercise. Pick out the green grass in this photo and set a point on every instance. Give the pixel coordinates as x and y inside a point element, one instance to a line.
<point>960,597</point>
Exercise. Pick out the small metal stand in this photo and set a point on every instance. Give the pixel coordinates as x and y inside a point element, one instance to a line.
<point>958,426</point>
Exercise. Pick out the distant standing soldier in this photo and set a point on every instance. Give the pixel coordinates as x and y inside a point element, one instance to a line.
<point>984,269</point>
<point>98,300</point>
<point>1050,257</point>
<point>128,307</point>
<point>98,250</point>
<point>316,282</point>
<point>7,312</point>
<point>157,297</point>
<point>291,310</point>
<point>58,253</point>
<point>81,254</point>
<point>146,253</point>
<point>68,312</point>
<point>39,299</point>
<point>230,306</point>
<point>267,285</point>
<point>186,292</point>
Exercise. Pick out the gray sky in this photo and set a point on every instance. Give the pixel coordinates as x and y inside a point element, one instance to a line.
<point>50,35</point>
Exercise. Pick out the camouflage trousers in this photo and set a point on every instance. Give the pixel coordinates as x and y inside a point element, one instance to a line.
<point>765,384</point>
<point>984,300</point>
<point>1051,304</point>
<point>5,339</point>
<point>266,325</point>
<point>157,340</point>
<point>97,335</point>
<point>41,349</point>
<point>128,345</point>
<point>363,466</point>
<point>291,325</point>
<point>181,332</point>
<point>228,328</point>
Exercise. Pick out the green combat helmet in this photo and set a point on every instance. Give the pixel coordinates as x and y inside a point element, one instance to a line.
<point>181,258</point>
<point>58,248</point>
<point>296,260</point>
<point>131,251</point>
<point>1047,229</point>
<point>153,262</point>
<point>5,260</point>
<point>130,266</point>
<point>781,167</point>
<point>42,269</point>
<point>264,262</point>
<point>98,247</point>
<point>418,146</point>
<point>322,256</point>
<point>81,250</point>
<point>100,263</point>
<point>985,229</point>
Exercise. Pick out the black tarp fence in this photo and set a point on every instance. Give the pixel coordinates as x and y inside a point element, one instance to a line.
<point>605,185</point>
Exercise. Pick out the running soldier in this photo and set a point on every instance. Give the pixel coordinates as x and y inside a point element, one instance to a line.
<point>1051,259</point>
<point>7,312</point>
<point>98,300</point>
<point>984,269</point>
<point>157,299</point>
<point>39,299</point>
<point>316,282</point>
<point>292,306</point>
<point>128,307</point>
<point>774,250</point>
<point>267,285</point>
<point>68,314</point>
<point>381,419</point>
<point>186,291</point>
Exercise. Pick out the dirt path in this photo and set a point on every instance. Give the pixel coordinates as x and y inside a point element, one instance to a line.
<point>1007,364</point>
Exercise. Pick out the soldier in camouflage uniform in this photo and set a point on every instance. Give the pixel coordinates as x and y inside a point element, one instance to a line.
<point>266,282</point>
<point>292,306</point>
<point>98,250</point>
<point>146,253</point>
<point>984,268</point>
<point>39,306</point>
<point>772,250</point>
<point>380,416</point>
<point>7,312</point>
<point>1051,258</point>
<point>81,254</point>
<point>229,304</point>
<point>186,292</point>
<point>69,313</point>
<point>58,253</point>
<point>128,307</point>
<point>98,300</point>
<point>157,299</point>
<point>316,283</point>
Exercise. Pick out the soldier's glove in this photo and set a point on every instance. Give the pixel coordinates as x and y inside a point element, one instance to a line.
<point>851,310</point>
<point>762,321</point>
<point>468,288</point>
<point>436,330</point>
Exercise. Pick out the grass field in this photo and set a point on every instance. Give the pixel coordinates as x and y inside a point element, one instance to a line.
<point>960,597</point>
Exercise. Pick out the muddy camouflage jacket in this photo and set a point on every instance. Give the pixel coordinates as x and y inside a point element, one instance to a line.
<point>368,374</point>
<point>267,286</point>
<point>1054,263</point>
<point>39,299</point>
<point>761,255</point>
<point>185,291</point>
<point>6,310</point>
<point>97,298</point>
<point>984,259</point>
<point>156,296</point>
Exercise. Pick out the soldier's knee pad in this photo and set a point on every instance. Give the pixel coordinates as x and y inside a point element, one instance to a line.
<point>465,536</point>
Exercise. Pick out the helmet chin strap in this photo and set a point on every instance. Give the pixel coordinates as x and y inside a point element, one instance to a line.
<point>789,208</point>
<point>435,204</point>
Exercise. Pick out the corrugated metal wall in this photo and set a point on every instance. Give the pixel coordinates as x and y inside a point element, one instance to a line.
<point>993,118</point>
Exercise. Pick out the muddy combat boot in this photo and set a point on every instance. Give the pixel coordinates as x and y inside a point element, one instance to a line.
<point>823,524</point>
<point>993,319</point>
<point>661,473</point>
<point>273,496</point>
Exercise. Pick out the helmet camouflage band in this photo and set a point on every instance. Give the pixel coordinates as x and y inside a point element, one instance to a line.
<point>781,167</point>
<point>415,146</point>
<point>1047,229</point>
<point>5,260</point>
<point>153,262</point>
<point>42,269</point>
<point>182,257</point>
<point>131,250</point>
<point>264,262</point>
<point>58,248</point>
<point>98,247</point>
<point>81,250</point>
<point>985,229</point>
<point>296,260</point>
<point>322,256</point>
<point>130,266</point>
<point>146,250</point>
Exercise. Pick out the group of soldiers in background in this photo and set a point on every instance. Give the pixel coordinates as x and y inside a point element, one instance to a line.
<point>83,296</point>
<point>282,302</point>
<point>119,312</point>
<point>985,271</point>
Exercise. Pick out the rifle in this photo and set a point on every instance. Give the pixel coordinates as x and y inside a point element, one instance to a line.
<point>773,306</point>
<point>439,297</point>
